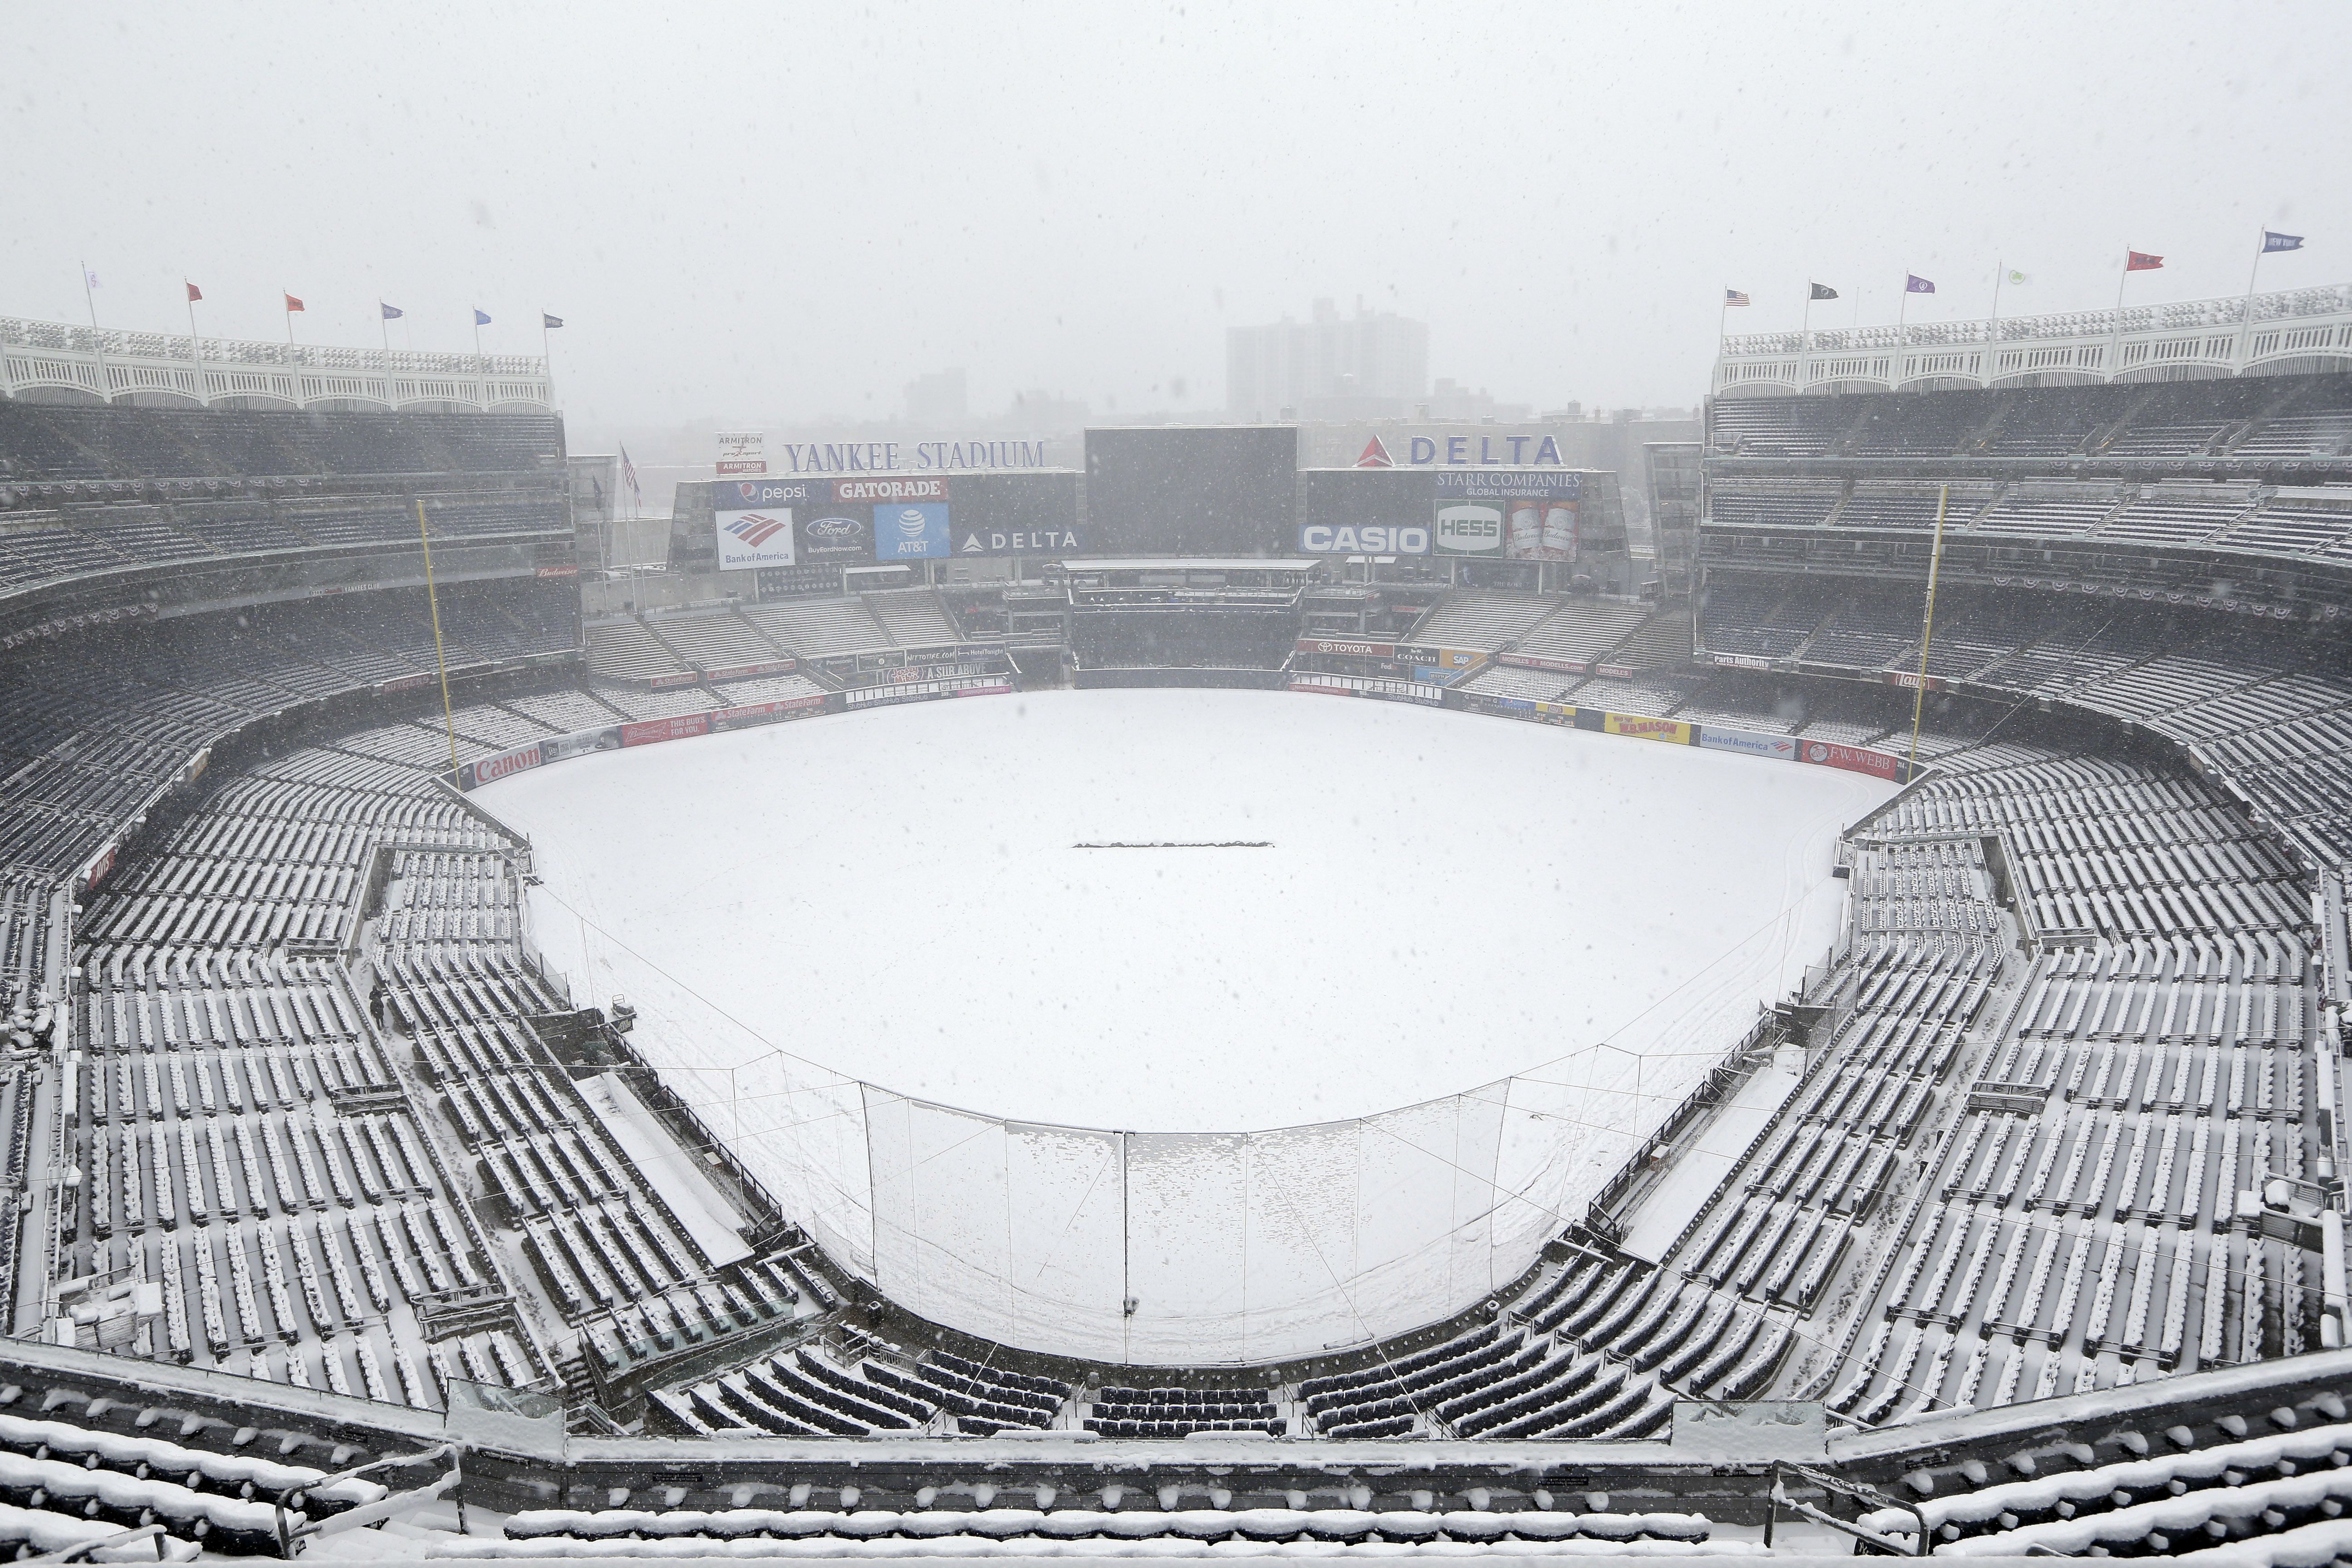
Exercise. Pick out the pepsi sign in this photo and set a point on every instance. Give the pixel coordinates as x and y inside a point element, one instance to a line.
<point>729,495</point>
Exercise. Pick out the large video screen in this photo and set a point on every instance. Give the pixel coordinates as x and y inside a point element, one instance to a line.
<point>1222,491</point>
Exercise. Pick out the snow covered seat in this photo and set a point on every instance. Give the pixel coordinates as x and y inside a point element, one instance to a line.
<point>35,1531</point>
<point>1992,1511</point>
<point>2182,1524</point>
<point>553,1531</point>
<point>297,1486</point>
<point>220,1523</point>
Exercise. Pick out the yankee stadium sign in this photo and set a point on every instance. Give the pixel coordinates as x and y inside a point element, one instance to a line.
<point>976,456</point>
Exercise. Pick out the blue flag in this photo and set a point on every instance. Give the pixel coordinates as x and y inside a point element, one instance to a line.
<point>481,317</point>
<point>546,320</point>
<point>2274,241</point>
<point>391,313</point>
<point>1914,284</point>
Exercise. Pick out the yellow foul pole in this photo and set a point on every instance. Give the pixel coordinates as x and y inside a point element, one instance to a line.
<point>441,658</point>
<point>1927,631</point>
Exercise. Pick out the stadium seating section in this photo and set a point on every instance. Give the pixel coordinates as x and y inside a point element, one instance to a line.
<point>335,1140</point>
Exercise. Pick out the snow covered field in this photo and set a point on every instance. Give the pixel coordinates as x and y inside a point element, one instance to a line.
<point>1533,939</point>
<point>1446,900</point>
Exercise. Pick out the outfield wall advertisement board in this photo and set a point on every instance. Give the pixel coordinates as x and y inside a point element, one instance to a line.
<point>1748,742</point>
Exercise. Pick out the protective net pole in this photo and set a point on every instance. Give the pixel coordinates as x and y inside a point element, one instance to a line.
<point>1928,628</point>
<point>440,655</point>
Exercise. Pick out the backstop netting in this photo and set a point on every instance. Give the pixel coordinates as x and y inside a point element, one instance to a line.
<point>1164,1249</point>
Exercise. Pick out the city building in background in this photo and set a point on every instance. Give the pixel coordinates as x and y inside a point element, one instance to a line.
<point>1370,365</point>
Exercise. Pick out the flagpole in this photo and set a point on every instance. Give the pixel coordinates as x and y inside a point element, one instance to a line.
<point>547,360</point>
<point>384,329</point>
<point>2246,312</point>
<point>2115,351</point>
<point>1992,342</point>
<point>90,298</point>
<point>285,301</point>
<point>196,346</point>
<point>1805,335</point>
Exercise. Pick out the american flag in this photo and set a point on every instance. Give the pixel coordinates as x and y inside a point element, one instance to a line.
<point>629,476</point>
<point>1734,297</point>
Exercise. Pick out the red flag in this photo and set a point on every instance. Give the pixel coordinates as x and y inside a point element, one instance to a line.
<point>194,293</point>
<point>2141,261</point>
<point>292,304</point>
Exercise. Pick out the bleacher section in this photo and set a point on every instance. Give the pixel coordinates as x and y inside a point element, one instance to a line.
<point>2250,418</point>
<point>44,446</point>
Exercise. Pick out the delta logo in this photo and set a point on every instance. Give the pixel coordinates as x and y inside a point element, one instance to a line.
<point>756,528</point>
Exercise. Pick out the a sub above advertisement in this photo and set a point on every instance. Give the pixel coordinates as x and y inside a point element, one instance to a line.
<point>837,533</point>
<point>1018,541</point>
<point>1469,528</point>
<point>758,536</point>
<point>1363,539</point>
<point>917,531</point>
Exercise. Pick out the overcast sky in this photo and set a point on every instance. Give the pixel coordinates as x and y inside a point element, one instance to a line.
<point>767,213</point>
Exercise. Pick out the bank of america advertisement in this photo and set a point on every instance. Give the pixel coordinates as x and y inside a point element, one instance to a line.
<point>758,536</point>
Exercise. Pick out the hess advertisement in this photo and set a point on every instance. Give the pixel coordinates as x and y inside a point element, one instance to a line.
<point>1507,515</point>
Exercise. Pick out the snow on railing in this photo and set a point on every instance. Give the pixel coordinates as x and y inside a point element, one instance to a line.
<point>2292,330</point>
<point>199,370</point>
